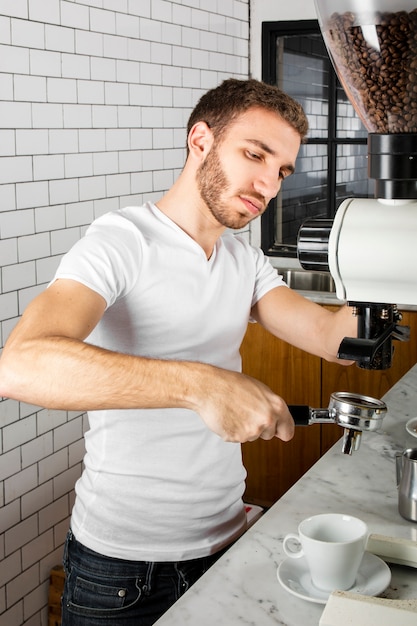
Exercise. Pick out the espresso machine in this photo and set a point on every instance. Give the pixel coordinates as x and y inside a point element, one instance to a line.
<point>370,248</point>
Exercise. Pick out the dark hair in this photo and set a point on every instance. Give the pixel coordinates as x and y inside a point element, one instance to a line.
<point>221,105</point>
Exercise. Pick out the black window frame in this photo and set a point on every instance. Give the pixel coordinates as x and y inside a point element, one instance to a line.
<point>270,32</point>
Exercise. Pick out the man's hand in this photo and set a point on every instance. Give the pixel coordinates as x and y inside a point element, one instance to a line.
<point>240,408</point>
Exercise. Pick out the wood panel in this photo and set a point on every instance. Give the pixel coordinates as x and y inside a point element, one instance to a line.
<point>274,466</point>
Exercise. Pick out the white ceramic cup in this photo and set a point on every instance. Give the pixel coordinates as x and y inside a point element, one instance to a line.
<point>333,545</point>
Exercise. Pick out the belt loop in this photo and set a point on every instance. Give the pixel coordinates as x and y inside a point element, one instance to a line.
<point>147,587</point>
<point>183,583</point>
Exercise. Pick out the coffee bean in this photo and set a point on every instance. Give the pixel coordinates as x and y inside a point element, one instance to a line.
<point>382,81</point>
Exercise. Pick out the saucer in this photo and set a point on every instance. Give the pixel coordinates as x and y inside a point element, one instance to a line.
<point>411,426</point>
<point>373,578</point>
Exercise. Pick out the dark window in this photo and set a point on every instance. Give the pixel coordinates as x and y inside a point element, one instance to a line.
<point>332,164</point>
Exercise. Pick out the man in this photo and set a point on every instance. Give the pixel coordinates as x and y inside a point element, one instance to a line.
<point>141,327</point>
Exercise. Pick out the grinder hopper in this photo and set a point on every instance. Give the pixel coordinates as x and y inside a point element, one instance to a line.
<point>373,47</point>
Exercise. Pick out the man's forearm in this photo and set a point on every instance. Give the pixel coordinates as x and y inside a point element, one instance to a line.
<point>342,324</point>
<point>69,374</point>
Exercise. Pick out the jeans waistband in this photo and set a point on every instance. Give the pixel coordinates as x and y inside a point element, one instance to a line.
<point>88,559</point>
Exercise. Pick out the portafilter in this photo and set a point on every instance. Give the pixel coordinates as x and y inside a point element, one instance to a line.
<point>354,412</point>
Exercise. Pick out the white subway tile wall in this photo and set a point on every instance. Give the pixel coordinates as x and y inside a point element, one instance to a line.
<point>94,100</point>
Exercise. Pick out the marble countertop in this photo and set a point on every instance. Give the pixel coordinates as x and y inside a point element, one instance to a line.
<point>242,587</point>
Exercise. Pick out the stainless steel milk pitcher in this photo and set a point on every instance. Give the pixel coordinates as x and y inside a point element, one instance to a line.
<point>406,465</point>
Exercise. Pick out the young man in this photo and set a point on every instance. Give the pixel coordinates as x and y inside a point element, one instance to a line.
<point>141,327</point>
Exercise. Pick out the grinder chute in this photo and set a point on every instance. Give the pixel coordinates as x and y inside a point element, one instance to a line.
<point>370,248</point>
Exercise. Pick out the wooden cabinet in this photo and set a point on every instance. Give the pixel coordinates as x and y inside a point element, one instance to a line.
<point>274,466</point>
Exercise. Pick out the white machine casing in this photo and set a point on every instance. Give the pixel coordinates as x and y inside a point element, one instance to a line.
<point>372,251</point>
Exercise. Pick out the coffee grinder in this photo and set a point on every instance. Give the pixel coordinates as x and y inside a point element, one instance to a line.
<point>370,248</point>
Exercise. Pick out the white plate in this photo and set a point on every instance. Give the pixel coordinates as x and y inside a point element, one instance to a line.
<point>411,426</point>
<point>373,578</point>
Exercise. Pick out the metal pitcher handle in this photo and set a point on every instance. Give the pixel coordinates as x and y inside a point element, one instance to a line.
<point>399,466</point>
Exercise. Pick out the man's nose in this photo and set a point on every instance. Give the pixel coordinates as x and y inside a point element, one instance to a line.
<point>268,184</point>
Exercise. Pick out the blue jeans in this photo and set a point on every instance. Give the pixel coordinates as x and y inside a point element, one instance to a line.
<point>100,590</point>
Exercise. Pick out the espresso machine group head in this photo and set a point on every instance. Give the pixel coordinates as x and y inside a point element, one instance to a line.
<point>370,247</point>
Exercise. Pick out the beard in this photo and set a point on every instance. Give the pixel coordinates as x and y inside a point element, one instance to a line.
<point>213,184</point>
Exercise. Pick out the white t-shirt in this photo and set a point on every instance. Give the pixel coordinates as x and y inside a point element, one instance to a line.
<point>158,485</point>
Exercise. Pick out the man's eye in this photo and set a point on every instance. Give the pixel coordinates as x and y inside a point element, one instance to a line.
<point>253,155</point>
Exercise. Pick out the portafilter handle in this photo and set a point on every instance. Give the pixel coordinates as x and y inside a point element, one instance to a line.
<point>354,412</point>
<point>304,415</point>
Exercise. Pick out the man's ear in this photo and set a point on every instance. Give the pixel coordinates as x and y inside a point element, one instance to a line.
<point>200,140</point>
